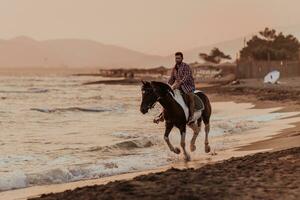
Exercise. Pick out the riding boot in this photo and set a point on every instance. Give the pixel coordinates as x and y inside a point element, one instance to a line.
<point>191,107</point>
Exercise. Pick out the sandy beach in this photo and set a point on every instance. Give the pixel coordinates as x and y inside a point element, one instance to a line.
<point>272,175</point>
<point>277,134</point>
<point>96,100</point>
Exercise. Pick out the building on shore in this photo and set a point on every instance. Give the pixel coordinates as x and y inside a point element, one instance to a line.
<point>259,69</point>
<point>209,71</point>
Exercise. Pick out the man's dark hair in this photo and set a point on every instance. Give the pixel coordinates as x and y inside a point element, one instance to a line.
<point>179,54</point>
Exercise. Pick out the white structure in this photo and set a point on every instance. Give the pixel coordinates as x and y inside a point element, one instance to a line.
<point>272,77</point>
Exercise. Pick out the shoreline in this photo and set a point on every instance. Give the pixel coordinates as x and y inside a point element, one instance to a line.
<point>285,124</point>
<point>261,99</point>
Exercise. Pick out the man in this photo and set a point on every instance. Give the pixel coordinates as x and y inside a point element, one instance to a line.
<point>182,79</point>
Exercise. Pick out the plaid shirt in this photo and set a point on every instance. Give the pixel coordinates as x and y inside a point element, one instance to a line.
<point>183,74</point>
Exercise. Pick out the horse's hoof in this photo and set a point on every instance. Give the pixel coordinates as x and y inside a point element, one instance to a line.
<point>207,148</point>
<point>176,150</point>
<point>193,147</point>
<point>187,158</point>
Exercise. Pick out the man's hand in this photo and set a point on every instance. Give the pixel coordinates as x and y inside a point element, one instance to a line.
<point>176,85</point>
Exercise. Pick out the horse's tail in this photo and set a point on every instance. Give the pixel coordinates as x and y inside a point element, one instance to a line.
<point>207,106</point>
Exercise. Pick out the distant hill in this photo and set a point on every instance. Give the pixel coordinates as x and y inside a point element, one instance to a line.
<point>27,52</point>
<point>77,53</point>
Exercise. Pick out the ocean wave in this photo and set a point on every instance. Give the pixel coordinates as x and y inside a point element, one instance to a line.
<point>37,90</point>
<point>109,167</point>
<point>123,135</point>
<point>71,109</point>
<point>126,145</point>
<point>96,97</point>
<point>30,90</point>
<point>233,127</point>
<point>13,180</point>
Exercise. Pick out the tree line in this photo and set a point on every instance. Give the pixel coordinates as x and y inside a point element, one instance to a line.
<point>266,45</point>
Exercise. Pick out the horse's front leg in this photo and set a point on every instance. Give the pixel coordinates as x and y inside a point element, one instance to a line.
<point>169,127</point>
<point>182,143</point>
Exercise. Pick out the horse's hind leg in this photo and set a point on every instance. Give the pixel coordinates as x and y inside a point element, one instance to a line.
<point>207,147</point>
<point>187,157</point>
<point>196,127</point>
<point>169,127</point>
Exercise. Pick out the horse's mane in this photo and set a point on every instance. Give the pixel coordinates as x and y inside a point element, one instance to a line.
<point>146,85</point>
<point>162,86</point>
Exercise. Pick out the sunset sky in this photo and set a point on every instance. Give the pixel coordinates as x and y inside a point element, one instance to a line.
<point>151,26</point>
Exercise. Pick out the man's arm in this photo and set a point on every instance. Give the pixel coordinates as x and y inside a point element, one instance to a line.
<point>172,78</point>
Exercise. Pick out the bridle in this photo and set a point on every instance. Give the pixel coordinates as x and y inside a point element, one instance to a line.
<point>157,97</point>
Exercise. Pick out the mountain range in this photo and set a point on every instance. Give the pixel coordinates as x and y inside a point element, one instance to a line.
<point>24,51</point>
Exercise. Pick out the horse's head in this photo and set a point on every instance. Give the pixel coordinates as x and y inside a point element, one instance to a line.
<point>161,89</point>
<point>149,97</point>
<point>152,92</point>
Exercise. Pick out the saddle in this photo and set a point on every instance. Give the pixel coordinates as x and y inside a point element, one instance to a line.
<point>199,105</point>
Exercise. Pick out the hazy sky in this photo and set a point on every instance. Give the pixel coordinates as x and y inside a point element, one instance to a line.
<point>151,26</point>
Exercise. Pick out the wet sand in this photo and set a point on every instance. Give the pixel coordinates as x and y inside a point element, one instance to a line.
<point>286,139</point>
<point>271,175</point>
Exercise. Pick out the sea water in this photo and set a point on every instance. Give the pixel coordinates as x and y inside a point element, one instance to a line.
<point>55,129</point>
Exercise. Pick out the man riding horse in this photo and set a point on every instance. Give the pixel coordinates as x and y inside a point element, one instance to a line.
<point>175,109</point>
<point>182,79</point>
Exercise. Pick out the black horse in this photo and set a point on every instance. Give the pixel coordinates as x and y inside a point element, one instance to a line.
<point>174,113</point>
